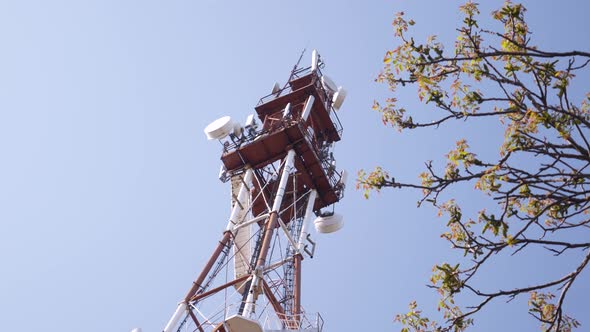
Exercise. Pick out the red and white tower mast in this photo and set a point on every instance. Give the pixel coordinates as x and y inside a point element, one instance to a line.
<point>283,174</point>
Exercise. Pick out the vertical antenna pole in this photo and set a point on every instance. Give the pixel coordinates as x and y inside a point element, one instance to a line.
<point>268,232</point>
<point>298,61</point>
<point>296,65</point>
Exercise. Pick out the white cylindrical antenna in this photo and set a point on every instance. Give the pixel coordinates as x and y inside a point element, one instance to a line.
<point>250,121</point>
<point>314,60</point>
<point>219,128</point>
<point>287,110</point>
<point>238,129</point>
<point>307,108</point>
<point>180,311</point>
<point>329,224</point>
<point>137,329</point>
<point>338,98</point>
<point>283,182</point>
<point>306,219</point>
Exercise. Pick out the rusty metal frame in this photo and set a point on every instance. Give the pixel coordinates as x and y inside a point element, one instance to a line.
<point>219,288</point>
<point>199,325</point>
<point>197,283</point>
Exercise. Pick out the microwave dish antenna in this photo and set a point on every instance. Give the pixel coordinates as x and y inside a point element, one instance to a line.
<point>338,98</point>
<point>329,224</point>
<point>328,84</point>
<point>219,128</point>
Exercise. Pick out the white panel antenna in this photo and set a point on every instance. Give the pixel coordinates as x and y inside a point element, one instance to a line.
<point>250,121</point>
<point>276,88</point>
<point>238,129</point>
<point>314,60</point>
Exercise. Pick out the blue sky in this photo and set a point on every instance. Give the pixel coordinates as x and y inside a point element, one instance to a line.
<point>109,197</point>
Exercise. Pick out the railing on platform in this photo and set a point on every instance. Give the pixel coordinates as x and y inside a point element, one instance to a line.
<point>302,322</point>
<point>324,95</point>
<point>326,159</point>
<point>287,88</point>
<point>275,123</point>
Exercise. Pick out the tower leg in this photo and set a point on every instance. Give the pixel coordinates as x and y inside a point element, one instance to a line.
<point>297,289</point>
<point>183,306</point>
<point>268,232</point>
<point>175,317</point>
<point>197,284</point>
<point>257,273</point>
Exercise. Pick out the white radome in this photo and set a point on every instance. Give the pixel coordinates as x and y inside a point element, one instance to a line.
<point>219,128</point>
<point>338,98</point>
<point>328,84</point>
<point>329,224</point>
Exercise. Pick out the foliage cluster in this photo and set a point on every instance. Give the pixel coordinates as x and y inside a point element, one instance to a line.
<point>539,182</point>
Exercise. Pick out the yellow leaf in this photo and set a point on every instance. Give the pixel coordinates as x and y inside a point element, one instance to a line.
<point>387,58</point>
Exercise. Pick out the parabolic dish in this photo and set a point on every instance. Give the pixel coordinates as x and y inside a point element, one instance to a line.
<point>338,98</point>
<point>329,84</point>
<point>219,128</point>
<point>329,224</point>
